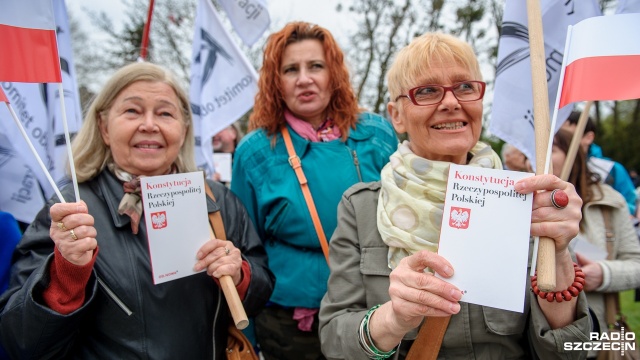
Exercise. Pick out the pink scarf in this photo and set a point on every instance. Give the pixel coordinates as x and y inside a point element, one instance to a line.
<point>326,132</point>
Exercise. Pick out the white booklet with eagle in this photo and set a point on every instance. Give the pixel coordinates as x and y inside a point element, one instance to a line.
<point>485,235</point>
<point>175,212</point>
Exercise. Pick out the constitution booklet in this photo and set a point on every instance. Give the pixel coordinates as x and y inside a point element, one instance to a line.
<point>175,212</point>
<point>485,235</point>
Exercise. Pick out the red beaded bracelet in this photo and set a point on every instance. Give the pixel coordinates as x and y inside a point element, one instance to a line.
<point>564,295</point>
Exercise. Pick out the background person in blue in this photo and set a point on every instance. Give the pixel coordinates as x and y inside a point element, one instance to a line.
<point>611,172</point>
<point>10,235</point>
<point>304,85</point>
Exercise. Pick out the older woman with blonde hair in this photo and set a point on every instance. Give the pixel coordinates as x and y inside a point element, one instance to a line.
<point>305,97</point>
<point>382,285</point>
<point>81,282</point>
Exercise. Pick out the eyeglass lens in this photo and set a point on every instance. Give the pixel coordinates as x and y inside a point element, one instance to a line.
<point>431,94</point>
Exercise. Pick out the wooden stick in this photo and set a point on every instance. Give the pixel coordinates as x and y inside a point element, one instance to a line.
<point>575,142</point>
<point>546,248</point>
<point>233,299</point>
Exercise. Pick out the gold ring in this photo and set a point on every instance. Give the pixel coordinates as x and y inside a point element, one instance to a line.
<point>61,226</point>
<point>226,251</point>
<point>73,235</point>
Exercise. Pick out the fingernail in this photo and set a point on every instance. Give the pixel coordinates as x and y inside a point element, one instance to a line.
<point>456,294</point>
<point>518,186</point>
<point>199,255</point>
<point>448,270</point>
<point>197,267</point>
<point>455,308</point>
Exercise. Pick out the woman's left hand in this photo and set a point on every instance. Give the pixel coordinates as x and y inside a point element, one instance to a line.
<point>220,257</point>
<point>562,225</point>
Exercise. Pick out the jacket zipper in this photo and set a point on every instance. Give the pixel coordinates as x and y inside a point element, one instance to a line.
<point>356,162</point>
<point>114,297</point>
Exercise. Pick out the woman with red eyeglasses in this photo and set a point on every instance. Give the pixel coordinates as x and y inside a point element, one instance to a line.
<point>387,236</point>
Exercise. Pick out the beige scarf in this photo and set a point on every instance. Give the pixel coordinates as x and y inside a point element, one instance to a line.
<point>131,203</point>
<point>412,199</point>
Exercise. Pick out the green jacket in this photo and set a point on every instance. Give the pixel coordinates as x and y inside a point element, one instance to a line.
<point>360,279</point>
<point>267,185</point>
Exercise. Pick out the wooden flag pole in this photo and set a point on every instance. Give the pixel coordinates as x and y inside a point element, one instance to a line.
<point>575,142</point>
<point>546,264</point>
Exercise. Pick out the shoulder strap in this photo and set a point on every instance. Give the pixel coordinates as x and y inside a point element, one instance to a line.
<point>611,300</point>
<point>427,344</point>
<point>226,283</point>
<point>214,217</point>
<point>296,164</point>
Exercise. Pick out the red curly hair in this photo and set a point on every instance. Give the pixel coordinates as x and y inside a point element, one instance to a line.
<point>268,111</point>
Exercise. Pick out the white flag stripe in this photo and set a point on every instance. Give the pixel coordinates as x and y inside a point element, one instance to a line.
<point>611,42</point>
<point>33,14</point>
<point>250,18</point>
<point>223,83</point>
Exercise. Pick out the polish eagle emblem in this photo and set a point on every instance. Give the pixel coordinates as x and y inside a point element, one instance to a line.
<point>159,220</point>
<point>459,217</point>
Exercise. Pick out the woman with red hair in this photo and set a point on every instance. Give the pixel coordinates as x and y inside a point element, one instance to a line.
<point>304,94</point>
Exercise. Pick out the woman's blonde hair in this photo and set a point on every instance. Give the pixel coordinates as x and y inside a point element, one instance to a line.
<point>91,154</point>
<point>416,60</point>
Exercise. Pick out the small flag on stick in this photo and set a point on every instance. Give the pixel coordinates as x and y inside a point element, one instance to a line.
<point>28,42</point>
<point>602,64</point>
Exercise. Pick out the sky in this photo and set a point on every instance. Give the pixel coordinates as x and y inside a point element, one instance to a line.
<point>322,13</point>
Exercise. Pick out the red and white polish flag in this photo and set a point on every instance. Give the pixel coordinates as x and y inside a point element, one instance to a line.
<point>603,59</point>
<point>28,48</point>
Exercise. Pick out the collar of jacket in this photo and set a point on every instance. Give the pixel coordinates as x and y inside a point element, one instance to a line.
<point>112,191</point>
<point>301,145</point>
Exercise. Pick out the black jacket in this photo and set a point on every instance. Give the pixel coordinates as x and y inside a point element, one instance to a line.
<point>126,316</point>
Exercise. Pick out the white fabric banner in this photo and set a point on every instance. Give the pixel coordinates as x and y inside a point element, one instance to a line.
<point>21,195</point>
<point>58,147</point>
<point>512,111</point>
<point>250,18</point>
<point>628,6</point>
<point>223,83</point>
<point>27,100</point>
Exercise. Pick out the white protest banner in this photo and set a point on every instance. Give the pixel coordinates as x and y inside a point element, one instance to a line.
<point>512,110</point>
<point>628,6</point>
<point>27,99</point>
<point>250,18</point>
<point>223,83</point>
<point>21,195</point>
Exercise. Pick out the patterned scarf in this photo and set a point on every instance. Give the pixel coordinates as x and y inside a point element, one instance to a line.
<point>131,203</point>
<point>412,197</point>
<point>326,132</point>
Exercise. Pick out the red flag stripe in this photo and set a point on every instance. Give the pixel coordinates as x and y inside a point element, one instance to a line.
<point>29,55</point>
<point>601,78</point>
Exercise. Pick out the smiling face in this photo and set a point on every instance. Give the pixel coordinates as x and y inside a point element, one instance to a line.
<point>305,81</point>
<point>144,128</point>
<point>445,131</point>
